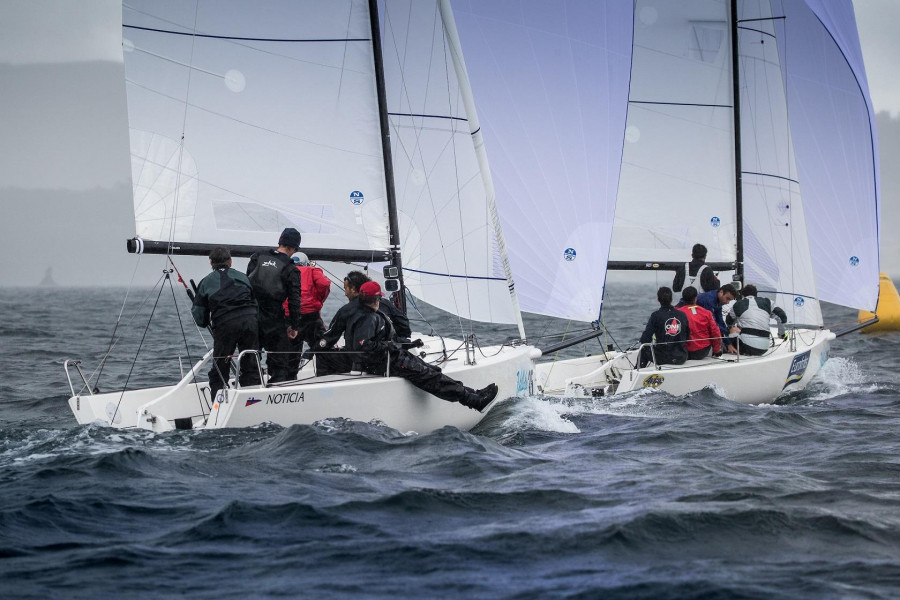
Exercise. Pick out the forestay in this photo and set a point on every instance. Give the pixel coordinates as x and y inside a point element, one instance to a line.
<point>450,254</point>
<point>277,105</point>
<point>776,248</point>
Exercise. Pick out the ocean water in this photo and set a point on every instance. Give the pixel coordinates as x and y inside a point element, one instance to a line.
<point>638,496</point>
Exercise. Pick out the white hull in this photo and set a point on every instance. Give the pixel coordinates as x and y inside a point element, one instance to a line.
<point>745,379</point>
<point>389,400</point>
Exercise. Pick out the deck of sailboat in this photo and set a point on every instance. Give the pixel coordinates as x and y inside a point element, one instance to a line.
<point>741,378</point>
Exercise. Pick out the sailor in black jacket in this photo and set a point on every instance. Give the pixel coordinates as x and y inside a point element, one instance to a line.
<point>225,302</point>
<point>669,327</point>
<point>275,278</point>
<point>694,269</point>
<point>370,336</point>
<point>329,361</point>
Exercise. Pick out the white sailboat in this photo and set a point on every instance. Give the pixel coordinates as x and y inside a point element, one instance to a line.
<point>256,116</point>
<point>623,132</point>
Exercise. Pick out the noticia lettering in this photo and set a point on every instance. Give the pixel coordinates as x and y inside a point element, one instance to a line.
<point>288,397</point>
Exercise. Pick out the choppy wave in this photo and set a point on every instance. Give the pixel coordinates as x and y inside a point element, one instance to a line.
<point>644,495</point>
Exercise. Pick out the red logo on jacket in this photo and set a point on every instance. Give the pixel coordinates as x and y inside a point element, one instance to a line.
<point>673,326</point>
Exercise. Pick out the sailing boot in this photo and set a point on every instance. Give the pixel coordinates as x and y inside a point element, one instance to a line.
<point>479,399</point>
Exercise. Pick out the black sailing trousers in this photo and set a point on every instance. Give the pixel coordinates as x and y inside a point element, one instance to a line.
<point>240,333</point>
<point>427,378</point>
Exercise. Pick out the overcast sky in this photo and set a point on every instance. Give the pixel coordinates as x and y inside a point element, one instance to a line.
<point>64,166</point>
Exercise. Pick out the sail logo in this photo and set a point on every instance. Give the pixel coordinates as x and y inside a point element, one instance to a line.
<point>798,369</point>
<point>356,197</point>
<point>799,302</point>
<point>715,222</point>
<point>569,254</point>
<point>854,261</point>
<point>673,326</point>
<point>251,401</point>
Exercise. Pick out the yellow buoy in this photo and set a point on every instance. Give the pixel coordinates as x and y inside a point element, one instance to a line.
<point>888,310</point>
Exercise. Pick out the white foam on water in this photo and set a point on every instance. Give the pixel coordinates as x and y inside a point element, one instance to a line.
<point>840,376</point>
<point>337,468</point>
<point>542,414</point>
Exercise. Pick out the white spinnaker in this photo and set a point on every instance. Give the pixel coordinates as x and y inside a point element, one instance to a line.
<point>280,128</point>
<point>450,256</point>
<point>550,82</point>
<point>678,180</point>
<point>832,124</point>
<point>776,249</point>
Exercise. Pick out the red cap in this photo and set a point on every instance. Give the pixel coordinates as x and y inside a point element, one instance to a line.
<point>370,288</point>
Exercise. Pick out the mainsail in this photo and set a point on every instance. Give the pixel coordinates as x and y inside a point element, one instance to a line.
<point>677,183</point>
<point>250,117</point>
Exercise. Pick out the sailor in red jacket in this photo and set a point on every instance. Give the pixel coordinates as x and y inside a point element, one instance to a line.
<point>705,333</point>
<point>314,289</point>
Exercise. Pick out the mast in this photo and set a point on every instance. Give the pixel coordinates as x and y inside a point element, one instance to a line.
<point>738,186</point>
<point>393,221</point>
<point>465,89</point>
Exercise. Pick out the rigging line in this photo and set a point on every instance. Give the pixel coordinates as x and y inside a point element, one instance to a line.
<point>462,230</point>
<point>753,120</point>
<point>412,300</point>
<point>151,185</point>
<point>696,104</point>
<point>112,419</point>
<point>188,350</point>
<point>787,110</point>
<point>780,18</point>
<point>236,43</point>
<point>133,317</point>
<point>186,289</point>
<point>426,191</point>
<point>187,95</point>
<point>343,65</point>
<point>116,326</point>
<point>792,294</point>
<point>451,275</point>
<point>760,31</point>
<point>248,123</point>
<point>243,39</point>
<point>426,116</point>
<point>772,175</point>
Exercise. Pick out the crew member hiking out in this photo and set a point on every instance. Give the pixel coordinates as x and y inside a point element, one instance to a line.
<point>276,279</point>
<point>368,331</point>
<point>225,303</point>
<point>329,361</point>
